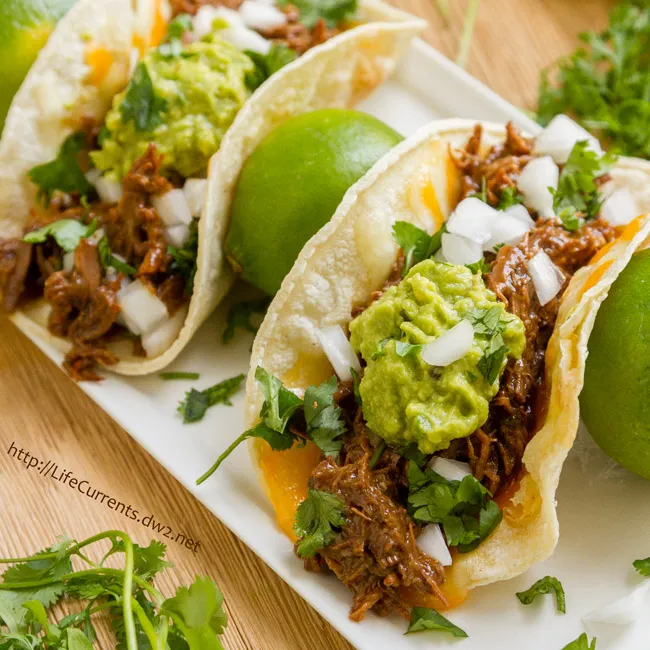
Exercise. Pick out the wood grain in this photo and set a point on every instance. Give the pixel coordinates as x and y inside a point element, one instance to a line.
<point>48,416</point>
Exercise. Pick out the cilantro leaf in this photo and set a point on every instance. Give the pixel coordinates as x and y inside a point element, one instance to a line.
<point>324,419</point>
<point>479,267</point>
<point>196,402</point>
<point>240,314</point>
<point>428,619</point>
<point>316,521</point>
<point>141,104</point>
<point>486,321</point>
<point>172,45</point>
<point>642,566</point>
<point>379,352</point>
<point>405,349</point>
<point>333,12</point>
<point>66,232</point>
<point>509,197</point>
<point>64,172</point>
<point>544,585</point>
<point>179,375</point>
<point>184,259</point>
<point>107,258</point>
<point>416,243</point>
<point>148,561</point>
<point>268,64</point>
<point>490,363</point>
<point>411,452</point>
<point>198,613</point>
<point>581,643</point>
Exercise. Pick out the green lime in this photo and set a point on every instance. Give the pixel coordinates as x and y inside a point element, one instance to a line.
<point>291,185</point>
<point>615,400</point>
<point>25,25</point>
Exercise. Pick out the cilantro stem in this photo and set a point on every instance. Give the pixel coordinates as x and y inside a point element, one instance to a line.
<point>377,455</point>
<point>223,457</point>
<point>127,591</point>
<point>147,627</point>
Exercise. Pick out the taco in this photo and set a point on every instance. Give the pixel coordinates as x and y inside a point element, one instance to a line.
<point>121,148</point>
<point>414,387</point>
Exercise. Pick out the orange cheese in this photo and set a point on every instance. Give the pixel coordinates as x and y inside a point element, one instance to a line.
<point>597,274</point>
<point>159,28</point>
<point>430,200</point>
<point>454,595</point>
<point>100,61</point>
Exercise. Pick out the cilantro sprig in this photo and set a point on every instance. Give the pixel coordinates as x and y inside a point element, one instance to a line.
<point>464,509</point>
<point>317,520</point>
<point>172,45</point>
<point>545,585</point>
<point>268,64</point>
<point>141,104</point>
<point>66,232</point>
<point>107,258</point>
<point>423,619</point>
<point>581,643</point>
<point>139,613</point>
<point>642,567</point>
<point>489,324</point>
<point>184,258</point>
<point>333,12</point>
<point>317,416</point>
<point>416,243</point>
<point>196,402</point>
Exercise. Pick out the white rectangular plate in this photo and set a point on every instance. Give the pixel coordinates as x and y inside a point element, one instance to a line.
<point>604,513</point>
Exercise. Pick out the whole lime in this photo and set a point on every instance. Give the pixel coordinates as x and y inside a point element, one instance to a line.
<point>615,400</point>
<point>291,185</point>
<point>25,25</point>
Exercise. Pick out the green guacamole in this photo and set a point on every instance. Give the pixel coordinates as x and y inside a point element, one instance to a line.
<point>406,400</point>
<point>203,88</point>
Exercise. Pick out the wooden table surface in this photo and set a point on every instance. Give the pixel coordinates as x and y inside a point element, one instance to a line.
<point>49,417</point>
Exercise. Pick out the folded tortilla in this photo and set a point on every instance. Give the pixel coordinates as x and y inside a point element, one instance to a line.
<point>352,256</point>
<point>61,87</point>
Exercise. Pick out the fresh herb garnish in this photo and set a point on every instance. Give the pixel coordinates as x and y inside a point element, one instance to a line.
<point>324,420</point>
<point>490,363</point>
<point>333,12</point>
<point>416,243</point>
<point>577,196</point>
<point>464,509</point>
<point>356,383</point>
<point>172,46</point>
<point>240,314</point>
<point>381,447</point>
<point>184,259</point>
<point>107,258</point>
<point>179,375</point>
<point>604,85</point>
<point>642,566</point>
<point>581,643</point>
<point>482,194</point>
<point>479,267</point>
<point>405,349</point>
<point>412,452</point>
<point>268,64</point>
<point>488,323</point>
<point>64,172</point>
<point>379,351</point>
<point>197,402</point>
<point>428,619</point>
<point>509,197</point>
<point>141,104</point>
<point>544,585</point>
<point>316,521</point>
<point>66,232</point>
<point>139,613</point>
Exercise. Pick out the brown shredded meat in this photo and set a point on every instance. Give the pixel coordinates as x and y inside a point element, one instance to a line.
<point>15,259</point>
<point>375,554</point>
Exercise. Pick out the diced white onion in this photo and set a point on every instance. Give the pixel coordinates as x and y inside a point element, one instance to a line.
<point>547,278</point>
<point>203,21</point>
<point>336,346</point>
<point>142,311</point>
<point>452,470</point>
<point>560,136</point>
<point>260,16</point>
<point>507,230</point>
<point>534,182</point>
<point>454,344</point>
<point>246,39</point>
<point>473,219</point>
<point>177,235</point>
<point>460,250</point>
<point>620,207</point>
<point>432,542</point>
<point>97,236</point>
<point>623,611</point>
<point>520,212</point>
<point>173,208</point>
<point>161,338</point>
<point>68,261</point>
<point>195,190</point>
<point>109,191</point>
<point>93,175</point>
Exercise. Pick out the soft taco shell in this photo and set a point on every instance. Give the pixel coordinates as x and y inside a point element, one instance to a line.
<point>351,257</point>
<point>338,73</point>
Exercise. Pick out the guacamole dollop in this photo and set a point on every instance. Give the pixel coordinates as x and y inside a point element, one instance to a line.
<point>406,400</point>
<point>201,91</point>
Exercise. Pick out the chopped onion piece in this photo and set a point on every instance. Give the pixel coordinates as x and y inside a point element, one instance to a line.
<point>620,207</point>
<point>195,191</point>
<point>473,219</point>
<point>142,311</point>
<point>246,39</point>
<point>452,470</point>
<point>560,136</point>
<point>177,235</point>
<point>520,212</point>
<point>260,16</point>
<point>173,208</point>
<point>547,278</point>
<point>534,182</point>
<point>109,191</point>
<point>452,345</point>
<point>203,21</point>
<point>460,250</point>
<point>68,261</point>
<point>339,351</point>
<point>432,542</point>
<point>97,236</point>
<point>623,611</point>
<point>93,175</point>
<point>161,338</point>
<point>507,230</point>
